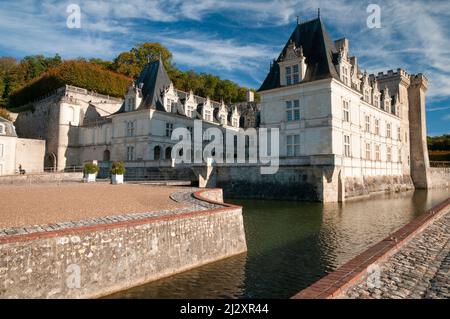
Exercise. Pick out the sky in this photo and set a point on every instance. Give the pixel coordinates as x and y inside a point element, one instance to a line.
<point>237,39</point>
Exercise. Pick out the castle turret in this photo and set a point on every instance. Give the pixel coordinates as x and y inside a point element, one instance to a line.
<point>418,131</point>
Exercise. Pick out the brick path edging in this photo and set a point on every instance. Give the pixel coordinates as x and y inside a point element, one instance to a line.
<point>336,283</point>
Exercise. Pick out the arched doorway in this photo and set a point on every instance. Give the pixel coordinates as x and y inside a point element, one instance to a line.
<point>168,153</point>
<point>106,156</point>
<point>157,153</point>
<point>50,162</point>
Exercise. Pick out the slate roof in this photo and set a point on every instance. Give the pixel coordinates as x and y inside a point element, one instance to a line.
<point>319,51</point>
<point>152,82</point>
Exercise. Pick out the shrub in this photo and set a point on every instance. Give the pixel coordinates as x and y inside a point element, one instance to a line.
<point>118,168</point>
<point>90,168</point>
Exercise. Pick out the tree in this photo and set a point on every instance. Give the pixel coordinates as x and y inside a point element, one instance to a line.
<point>131,63</point>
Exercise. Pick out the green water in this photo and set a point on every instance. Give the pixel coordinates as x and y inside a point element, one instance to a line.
<point>293,244</point>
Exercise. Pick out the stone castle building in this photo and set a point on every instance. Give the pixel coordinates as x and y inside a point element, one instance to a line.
<point>81,126</point>
<point>343,132</point>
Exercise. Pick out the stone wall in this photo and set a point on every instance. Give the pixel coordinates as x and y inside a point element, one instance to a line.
<point>30,154</point>
<point>97,260</point>
<point>355,187</point>
<point>7,155</point>
<point>440,177</point>
<point>41,178</point>
<point>289,183</point>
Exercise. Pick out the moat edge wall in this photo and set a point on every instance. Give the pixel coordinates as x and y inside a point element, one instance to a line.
<point>96,261</point>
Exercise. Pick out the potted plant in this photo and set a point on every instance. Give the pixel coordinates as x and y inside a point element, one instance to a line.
<point>117,172</point>
<point>90,172</point>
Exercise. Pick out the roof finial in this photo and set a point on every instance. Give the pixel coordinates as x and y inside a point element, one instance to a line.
<point>318,13</point>
<point>298,19</point>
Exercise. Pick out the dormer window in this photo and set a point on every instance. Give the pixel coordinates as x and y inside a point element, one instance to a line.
<point>174,106</point>
<point>223,120</point>
<point>129,104</point>
<point>345,75</point>
<point>188,111</point>
<point>208,115</point>
<point>2,129</point>
<point>367,96</point>
<point>235,122</point>
<point>376,101</point>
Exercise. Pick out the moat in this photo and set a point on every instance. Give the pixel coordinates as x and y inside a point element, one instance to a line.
<point>293,244</point>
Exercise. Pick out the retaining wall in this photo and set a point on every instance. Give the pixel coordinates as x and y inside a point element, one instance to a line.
<point>97,260</point>
<point>440,177</point>
<point>40,178</point>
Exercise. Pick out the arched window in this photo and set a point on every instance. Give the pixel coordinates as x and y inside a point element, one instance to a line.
<point>168,153</point>
<point>106,155</point>
<point>157,153</point>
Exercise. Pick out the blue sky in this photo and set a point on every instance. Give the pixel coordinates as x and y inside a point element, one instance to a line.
<point>237,39</point>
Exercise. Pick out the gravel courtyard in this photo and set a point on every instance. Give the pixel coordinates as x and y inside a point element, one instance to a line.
<point>46,204</point>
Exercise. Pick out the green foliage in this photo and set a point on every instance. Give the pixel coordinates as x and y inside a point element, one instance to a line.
<point>77,73</point>
<point>118,168</point>
<point>34,76</point>
<point>131,63</point>
<point>90,168</point>
<point>5,114</point>
<point>439,143</point>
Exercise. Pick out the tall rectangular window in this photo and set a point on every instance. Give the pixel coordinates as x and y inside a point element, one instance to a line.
<point>399,134</point>
<point>347,151</point>
<point>130,153</point>
<point>367,96</point>
<point>388,130</point>
<point>188,111</point>
<point>1,150</point>
<point>208,116</point>
<point>377,153</point>
<point>293,145</point>
<point>376,102</point>
<point>368,155</point>
<point>296,77</point>
<point>367,124</point>
<point>169,129</point>
<point>174,107</point>
<point>293,110</point>
<point>377,126</point>
<point>389,154</point>
<point>345,75</point>
<point>346,111</point>
<point>130,129</point>
<point>288,75</point>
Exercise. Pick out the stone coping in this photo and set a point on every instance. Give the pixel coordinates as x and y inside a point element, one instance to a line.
<point>337,282</point>
<point>199,205</point>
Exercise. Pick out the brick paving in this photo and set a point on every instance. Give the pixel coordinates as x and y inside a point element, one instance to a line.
<point>182,202</point>
<point>420,269</point>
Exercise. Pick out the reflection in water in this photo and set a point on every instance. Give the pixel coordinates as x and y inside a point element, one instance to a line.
<point>293,244</point>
